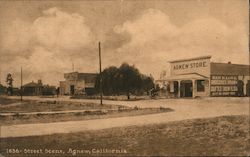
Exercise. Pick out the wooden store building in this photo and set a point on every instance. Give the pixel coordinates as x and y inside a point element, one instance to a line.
<point>199,77</point>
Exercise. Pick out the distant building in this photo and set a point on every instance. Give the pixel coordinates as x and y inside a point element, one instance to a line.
<point>78,83</point>
<point>33,88</point>
<point>3,90</point>
<point>16,91</point>
<point>37,88</point>
<point>197,77</point>
<point>48,90</point>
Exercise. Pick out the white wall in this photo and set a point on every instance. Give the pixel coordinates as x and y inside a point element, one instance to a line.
<point>200,66</point>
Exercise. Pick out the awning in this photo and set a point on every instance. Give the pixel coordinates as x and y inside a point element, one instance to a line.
<point>192,76</point>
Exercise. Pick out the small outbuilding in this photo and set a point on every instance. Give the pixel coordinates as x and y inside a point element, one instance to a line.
<point>78,83</point>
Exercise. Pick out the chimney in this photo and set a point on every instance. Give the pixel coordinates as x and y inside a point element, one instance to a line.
<point>39,82</point>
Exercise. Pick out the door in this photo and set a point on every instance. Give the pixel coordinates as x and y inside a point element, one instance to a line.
<point>248,88</point>
<point>186,88</point>
<point>240,86</point>
<point>72,89</point>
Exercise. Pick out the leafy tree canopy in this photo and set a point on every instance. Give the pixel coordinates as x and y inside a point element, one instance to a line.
<point>124,80</point>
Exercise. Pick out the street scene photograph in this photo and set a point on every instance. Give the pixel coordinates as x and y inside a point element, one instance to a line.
<point>124,78</point>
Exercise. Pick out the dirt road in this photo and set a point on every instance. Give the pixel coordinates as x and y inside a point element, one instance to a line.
<point>184,109</point>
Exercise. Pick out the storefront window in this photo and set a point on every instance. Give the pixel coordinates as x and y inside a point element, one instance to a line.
<point>200,85</point>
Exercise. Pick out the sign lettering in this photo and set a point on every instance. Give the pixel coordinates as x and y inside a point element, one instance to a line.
<point>224,85</point>
<point>190,65</point>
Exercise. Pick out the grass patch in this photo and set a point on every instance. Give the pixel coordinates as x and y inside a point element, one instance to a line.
<point>221,136</point>
<point>85,115</point>
<point>43,106</point>
<point>101,111</point>
<point>5,101</point>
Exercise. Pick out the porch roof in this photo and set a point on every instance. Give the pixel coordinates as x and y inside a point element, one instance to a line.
<point>192,76</point>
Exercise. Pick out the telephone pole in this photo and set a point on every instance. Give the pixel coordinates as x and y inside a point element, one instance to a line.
<point>21,90</point>
<point>100,67</point>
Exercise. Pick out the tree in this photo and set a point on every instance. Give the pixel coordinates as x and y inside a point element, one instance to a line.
<point>147,83</point>
<point>9,81</point>
<point>124,80</point>
<point>131,78</point>
<point>163,74</point>
<point>109,80</point>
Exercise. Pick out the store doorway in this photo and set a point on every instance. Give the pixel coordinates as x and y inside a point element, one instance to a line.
<point>248,88</point>
<point>186,89</point>
<point>72,89</point>
<point>240,86</point>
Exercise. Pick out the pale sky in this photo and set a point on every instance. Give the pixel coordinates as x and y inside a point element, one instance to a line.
<point>46,37</point>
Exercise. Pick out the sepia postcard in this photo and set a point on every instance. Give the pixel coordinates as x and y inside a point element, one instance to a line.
<point>124,78</point>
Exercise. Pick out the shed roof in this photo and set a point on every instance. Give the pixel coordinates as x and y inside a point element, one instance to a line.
<point>88,77</point>
<point>31,84</point>
<point>229,69</point>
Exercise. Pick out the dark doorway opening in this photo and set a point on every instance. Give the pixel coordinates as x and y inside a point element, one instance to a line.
<point>72,89</point>
<point>248,88</point>
<point>240,86</point>
<point>176,86</point>
<point>186,89</point>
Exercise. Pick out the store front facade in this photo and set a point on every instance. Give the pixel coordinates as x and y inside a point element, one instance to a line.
<point>199,77</point>
<point>190,77</point>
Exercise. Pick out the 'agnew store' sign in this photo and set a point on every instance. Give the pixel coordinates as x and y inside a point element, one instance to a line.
<point>200,66</point>
<point>190,65</point>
